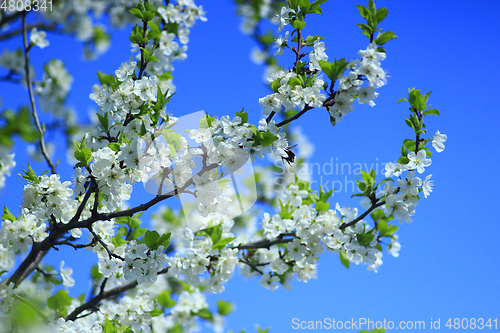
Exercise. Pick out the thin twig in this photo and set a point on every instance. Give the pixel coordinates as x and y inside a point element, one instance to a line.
<point>32,97</point>
<point>110,254</point>
<point>41,26</point>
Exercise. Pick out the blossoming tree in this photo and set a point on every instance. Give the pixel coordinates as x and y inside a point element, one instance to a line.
<point>151,274</point>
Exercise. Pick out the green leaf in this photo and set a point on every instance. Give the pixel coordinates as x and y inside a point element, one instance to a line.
<point>367,29</point>
<point>206,121</point>
<point>304,6</point>
<point>30,175</point>
<point>156,312</point>
<point>381,14</point>
<point>215,233</point>
<point>432,111</point>
<point>403,160</point>
<point>426,97</point>
<point>138,233</point>
<point>94,273</point>
<point>243,116</point>
<point>108,326</point>
<point>343,259</point>
<point>294,4</point>
<point>364,239</point>
<point>84,155</point>
<point>325,196</point>
<point>154,27</point>
<point>266,138</point>
<point>223,242</point>
<point>151,239</point>
<point>103,119</point>
<point>385,37</point>
<point>333,70</point>
<point>311,39</point>
<point>370,182</point>
<point>165,299</point>
<point>315,6</point>
<point>7,215</point>
<point>59,302</point>
<point>106,79</point>
<point>410,124</point>
<point>205,314</point>
<point>391,229</point>
<point>148,16</point>
<point>322,206</point>
<point>294,81</point>
<point>114,146</point>
<point>136,12</point>
<point>362,186</point>
<point>371,7</point>
<point>416,99</point>
<point>275,85</point>
<point>410,144</point>
<point>224,308</point>
<point>298,24</point>
<point>164,239</point>
<point>363,11</point>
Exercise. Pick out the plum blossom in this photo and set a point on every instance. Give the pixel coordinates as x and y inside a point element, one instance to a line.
<point>437,141</point>
<point>419,161</point>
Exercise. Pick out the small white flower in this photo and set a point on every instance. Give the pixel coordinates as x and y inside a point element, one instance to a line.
<point>38,38</point>
<point>280,43</point>
<point>437,141</point>
<point>267,281</point>
<point>427,185</point>
<point>419,161</point>
<point>65,273</point>
<point>394,247</point>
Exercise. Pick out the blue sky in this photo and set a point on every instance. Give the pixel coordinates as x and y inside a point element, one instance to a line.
<point>448,263</point>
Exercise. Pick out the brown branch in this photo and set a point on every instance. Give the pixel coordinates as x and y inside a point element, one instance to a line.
<point>92,303</point>
<point>362,216</point>
<point>40,249</point>
<point>266,244</point>
<point>296,116</point>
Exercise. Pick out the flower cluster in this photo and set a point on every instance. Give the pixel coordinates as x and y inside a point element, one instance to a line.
<point>201,258</point>
<point>314,230</point>
<point>401,201</point>
<point>54,87</point>
<point>142,263</point>
<point>17,234</point>
<point>49,199</point>
<point>183,16</point>
<point>350,84</point>
<point>290,96</point>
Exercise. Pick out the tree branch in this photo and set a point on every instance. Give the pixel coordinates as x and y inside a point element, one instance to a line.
<point>40,25</point>
<point>296,116</point>
<point>362,216</point>
<point>92,303</point>
<point>266,244</point>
